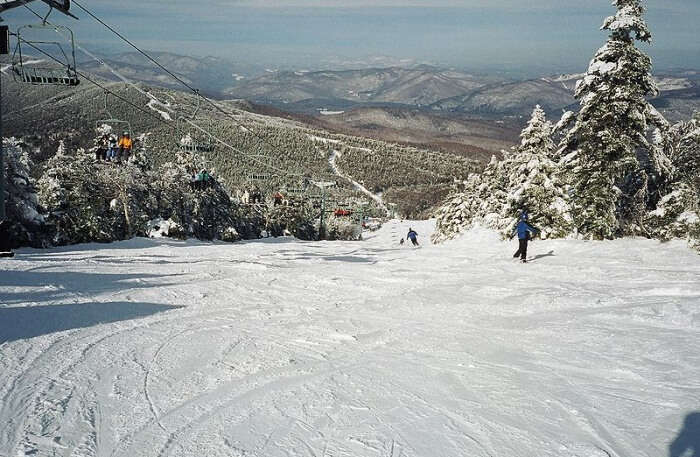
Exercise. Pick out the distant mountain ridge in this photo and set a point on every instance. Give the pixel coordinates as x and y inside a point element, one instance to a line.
<point>418,86</point>
<point>516,98</point>
<point>213,75</point>
<point>426,87</point>
<point>444,91</point>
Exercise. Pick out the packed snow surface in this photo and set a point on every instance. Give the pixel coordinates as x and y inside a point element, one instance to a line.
<point>288,348</point>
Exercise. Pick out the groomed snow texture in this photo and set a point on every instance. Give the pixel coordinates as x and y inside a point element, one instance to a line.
<point>276,348</point>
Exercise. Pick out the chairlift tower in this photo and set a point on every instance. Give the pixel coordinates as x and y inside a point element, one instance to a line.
<point>361,212</point>
<point>60,5</point>
<point>392,210</point>
<point>323,185</point>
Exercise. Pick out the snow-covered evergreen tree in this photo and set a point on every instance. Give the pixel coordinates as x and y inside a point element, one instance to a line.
<point>601,148</point>
<point>481,200</point>
<point>677,212</point>
<point>21,202</point>
<point>299,220</point>
<point>457,213</point>
<point>492,193</point>
<point>342,229</point>
<point>207,213</point>
<point>534,183</point>
<point>78,202</point>
<point>526,179</point>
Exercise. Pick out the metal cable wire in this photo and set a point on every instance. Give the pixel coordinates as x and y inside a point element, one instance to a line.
<point>101,86</point>
<point>149,113</point>
<point>177,78</point>
<point>153,97</point>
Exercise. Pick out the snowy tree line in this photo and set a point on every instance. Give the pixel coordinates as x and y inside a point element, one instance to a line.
<point>415,178</point>
<point>615,168</point>
<point>75,200</point>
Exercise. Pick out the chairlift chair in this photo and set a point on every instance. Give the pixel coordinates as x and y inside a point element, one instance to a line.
<point>116,125</point>
<point>294,192</point>
<point>191,143</point>
<point>193,139</point>
<point>25,71</point>
<point>259,177</point>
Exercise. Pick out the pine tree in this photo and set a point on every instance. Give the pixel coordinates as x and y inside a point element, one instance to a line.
<point>481,200</point>
<point>677,211</point>
<point>534,183</point>
<point>26,223</point>
<point>492,194</point>
<point>611,124</point>
<point>76,200</point>
<point>458,212</point>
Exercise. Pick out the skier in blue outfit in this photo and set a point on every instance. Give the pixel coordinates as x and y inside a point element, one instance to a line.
<point>524,232</point>
<point>413,236</point>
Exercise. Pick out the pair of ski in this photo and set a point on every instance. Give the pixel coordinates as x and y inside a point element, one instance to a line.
<point>6,254</point>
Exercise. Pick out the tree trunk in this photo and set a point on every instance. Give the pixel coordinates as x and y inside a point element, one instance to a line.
<point>127,218</point>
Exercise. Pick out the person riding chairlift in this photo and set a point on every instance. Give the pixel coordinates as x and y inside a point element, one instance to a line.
<point>112,145</point>
<point>202,179</point>
<point>125,146</point>
<point>102,148</point>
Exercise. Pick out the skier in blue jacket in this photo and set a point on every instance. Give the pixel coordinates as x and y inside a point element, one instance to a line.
<point>413,236</point>
<point>524,232</point>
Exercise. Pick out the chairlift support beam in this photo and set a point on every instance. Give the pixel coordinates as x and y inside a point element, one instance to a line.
<point>62,6</point>
<point>125,126</point>
<point>324,186</point>
<point>259,177</point>
<point>294,192</point>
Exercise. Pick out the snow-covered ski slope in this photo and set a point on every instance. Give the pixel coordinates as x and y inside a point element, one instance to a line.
<point>288,348</point>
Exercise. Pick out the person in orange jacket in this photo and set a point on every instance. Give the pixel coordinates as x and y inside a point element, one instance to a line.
<point>125,146</point>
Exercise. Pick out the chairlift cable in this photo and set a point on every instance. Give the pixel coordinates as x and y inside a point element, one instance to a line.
<point>101,86</point>
<point>129,82</point>
<point>124,79</point>
<point>163,121</point>
<point>233,148</point>
<point>173,75</point>
<point>153,97</point>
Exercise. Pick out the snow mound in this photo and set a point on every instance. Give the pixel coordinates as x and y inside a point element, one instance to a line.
<point>165,228</point>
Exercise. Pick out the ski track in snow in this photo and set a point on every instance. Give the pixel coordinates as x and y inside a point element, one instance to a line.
<point>153,103</point>
<point>332,160</point>
<point>289,348</point>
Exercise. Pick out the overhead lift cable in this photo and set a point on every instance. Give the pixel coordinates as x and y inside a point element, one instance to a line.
<point>176,77</point>
<point>126,80</point>
<point>101,86</point>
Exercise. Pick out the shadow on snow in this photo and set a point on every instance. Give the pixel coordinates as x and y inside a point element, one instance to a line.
<point>49,286</point>
<point>541,256</point>
<point>32,321</point>
<point>687,443</point>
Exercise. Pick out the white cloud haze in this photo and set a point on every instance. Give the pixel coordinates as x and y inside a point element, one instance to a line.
<point>557,34</point>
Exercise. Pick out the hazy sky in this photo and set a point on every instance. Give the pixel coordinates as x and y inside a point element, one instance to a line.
<point>556,35</point>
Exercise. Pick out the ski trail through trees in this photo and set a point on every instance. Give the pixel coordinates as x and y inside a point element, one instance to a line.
<point>332,160</point>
